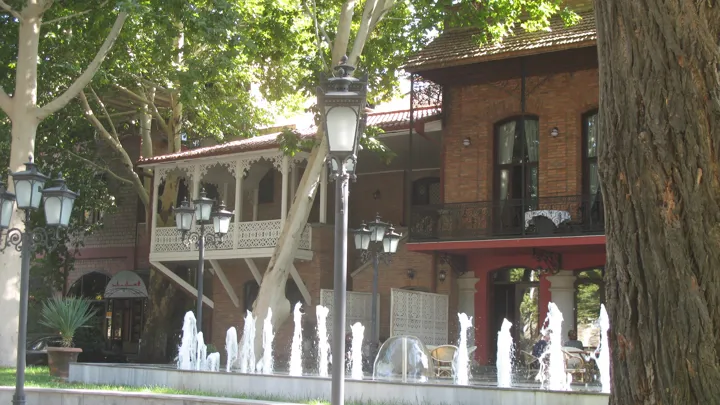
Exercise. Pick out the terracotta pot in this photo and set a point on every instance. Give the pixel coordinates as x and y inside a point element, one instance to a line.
<point>59,359</point>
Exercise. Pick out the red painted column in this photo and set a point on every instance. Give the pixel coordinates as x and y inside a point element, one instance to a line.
<point>543,300</point>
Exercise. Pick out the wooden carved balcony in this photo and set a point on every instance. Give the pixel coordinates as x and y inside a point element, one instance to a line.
<point>247,240</point>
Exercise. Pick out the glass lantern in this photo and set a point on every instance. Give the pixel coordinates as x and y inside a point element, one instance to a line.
<point>221,220</point>
<point>58,201</point>
<point>377,229</point>
<point>29,185</point>
<point>184,216</point>
<point>203,207</point>
<point>362,237</point>
<point>7,202</point>
<point>391,240</point>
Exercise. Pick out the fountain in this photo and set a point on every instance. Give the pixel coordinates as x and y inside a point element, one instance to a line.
<point>462,359</point>
<point>603,360</point>
<point>265,365</point>
<point>403,358</point>
<point>213,362</point>
<point>296,348</point>
<point>323,345</point>
<point>247,350</point>
<point>358,331</point>
<point>556,377</point>
<point>504,355</point>
<point>188,346</point>
<point>231,347</point>
<point>201,353</point>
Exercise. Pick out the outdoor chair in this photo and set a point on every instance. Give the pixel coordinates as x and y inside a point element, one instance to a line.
<point>575,363</point>
<point>442,357</point>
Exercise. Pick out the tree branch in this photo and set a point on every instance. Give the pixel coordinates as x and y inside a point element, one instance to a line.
<point>97,166</point>
<point>10,10</point>
<point>118,147</point>
<point>318,29</point>
<point>5,102</point>
<point>363,30</point>
<point>67,17</point>
<point>381,9</point>
<point>82,81</point>
<point>343,31</point>
<point>105,111</point>
<point>153,108</point>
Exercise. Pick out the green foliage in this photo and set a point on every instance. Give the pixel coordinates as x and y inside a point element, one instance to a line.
<point>498,19</point>
<point>588,303</point>
<point>291,142</point>
<point>66,316</point>
<point>211,349</point>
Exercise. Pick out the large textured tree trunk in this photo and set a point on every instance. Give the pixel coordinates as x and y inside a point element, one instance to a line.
<point>659,150</point>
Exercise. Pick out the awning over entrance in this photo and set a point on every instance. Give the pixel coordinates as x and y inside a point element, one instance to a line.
<point>126,284</point>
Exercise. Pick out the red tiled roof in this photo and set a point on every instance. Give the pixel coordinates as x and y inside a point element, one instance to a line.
<point>459,46</point>
<point>387,120</point>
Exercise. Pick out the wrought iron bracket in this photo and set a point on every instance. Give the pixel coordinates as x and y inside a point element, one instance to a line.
<point>457,263</point>
<point>551,262</point>
<point>35,239</point>
<point>374,250</point>
<point>209,238</point>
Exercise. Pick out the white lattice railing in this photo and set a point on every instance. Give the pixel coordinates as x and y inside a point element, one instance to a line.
<point>248,235</point>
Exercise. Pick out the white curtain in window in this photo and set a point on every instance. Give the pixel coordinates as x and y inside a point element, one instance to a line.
<point>506,143</point>
<point>532,140</point>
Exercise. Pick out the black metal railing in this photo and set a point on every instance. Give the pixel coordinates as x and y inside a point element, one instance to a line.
<point>531,218</point>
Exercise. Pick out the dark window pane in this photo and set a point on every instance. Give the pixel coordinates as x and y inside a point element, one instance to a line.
<point>266,188</point>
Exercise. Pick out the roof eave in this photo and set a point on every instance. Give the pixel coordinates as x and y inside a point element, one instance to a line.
<point>424,67</point>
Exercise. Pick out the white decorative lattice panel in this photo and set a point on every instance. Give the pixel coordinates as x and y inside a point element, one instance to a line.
<point>358,309</point>
<point>248,235</point>
<point>420,314</point>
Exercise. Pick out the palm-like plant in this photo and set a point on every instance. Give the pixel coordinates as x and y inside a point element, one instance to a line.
<point>66,315</point>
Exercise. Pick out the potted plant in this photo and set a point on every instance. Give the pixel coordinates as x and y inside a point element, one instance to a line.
<point>65,316</point>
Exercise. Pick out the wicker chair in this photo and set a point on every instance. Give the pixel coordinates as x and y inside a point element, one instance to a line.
<point>442,357</point>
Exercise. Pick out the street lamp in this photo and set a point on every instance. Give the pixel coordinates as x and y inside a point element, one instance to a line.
<point>342,101</point>
<point>58,204</point>
<point>202,213</point>
<point>385,243</point>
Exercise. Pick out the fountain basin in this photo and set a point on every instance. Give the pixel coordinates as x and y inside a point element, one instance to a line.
<point>306,387</point>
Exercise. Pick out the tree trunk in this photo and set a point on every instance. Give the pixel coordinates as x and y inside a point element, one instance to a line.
<point>24,129</point>
<point>272,288</point>
<point>659,128</point>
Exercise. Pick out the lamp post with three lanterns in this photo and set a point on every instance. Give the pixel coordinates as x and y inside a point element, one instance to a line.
<point>202,213</point>
<point>58,203</point>
<point>384,245</point>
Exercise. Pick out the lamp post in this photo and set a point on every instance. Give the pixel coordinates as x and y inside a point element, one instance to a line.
<point>58,203</point>
<point>202,213</point>
<point>384,245</point>
<point>342,101</point>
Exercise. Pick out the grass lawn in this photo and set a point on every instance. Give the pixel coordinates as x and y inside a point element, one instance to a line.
<point>40,377</point>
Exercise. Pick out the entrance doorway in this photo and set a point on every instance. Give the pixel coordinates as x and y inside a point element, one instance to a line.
<point>515,298</point>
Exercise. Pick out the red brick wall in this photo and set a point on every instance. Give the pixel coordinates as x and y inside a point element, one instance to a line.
<point>472,112</point>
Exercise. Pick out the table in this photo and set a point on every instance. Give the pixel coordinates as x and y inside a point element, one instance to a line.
<point>557,216</point>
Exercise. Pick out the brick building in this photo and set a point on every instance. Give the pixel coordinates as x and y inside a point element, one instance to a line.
<point>494,188</point>
<point>521,217</point>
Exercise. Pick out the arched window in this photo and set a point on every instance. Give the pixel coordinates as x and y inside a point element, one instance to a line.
<point>426,191</point>
<point>91,286</point>
<point>517,151</point>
